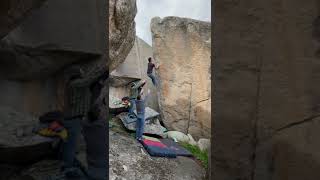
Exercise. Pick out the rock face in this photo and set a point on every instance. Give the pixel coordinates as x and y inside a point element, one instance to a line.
<point>35,56</point>
<point>134,68</point>
<point>266,95</point>
<point>182,47</point>
<point>130,69</point>
<point>121,30</point>
<point>13,12</point>
<point>204,144</point>
<point>37,33</point>
<point>36,53</point>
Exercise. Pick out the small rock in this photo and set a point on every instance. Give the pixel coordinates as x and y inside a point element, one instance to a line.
<point>165,135</point>
<point>125,168</point>
<point>179,136</point>
<point>204,144</point>
<point>191,140</point>
<point>142,151</point>
<point>175,140</point>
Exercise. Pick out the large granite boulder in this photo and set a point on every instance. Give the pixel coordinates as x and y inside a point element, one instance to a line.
<point>135,68</point>
<point>23,63</point>
<point>182,47</point>
<point>266,118</point>
<point>35,57</point>
<point>50,40</point>
<point>56,26</point>
<point>130,69</point>
<point>12,13</point>
<point>121,30</point>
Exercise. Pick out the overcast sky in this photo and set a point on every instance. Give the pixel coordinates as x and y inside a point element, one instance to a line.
<point>147,9</point>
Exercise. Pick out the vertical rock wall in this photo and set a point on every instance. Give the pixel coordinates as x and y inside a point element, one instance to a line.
<point>182,47</point>
<point>266,105</point>
<point>13,12</point>
<point>49,40</point>
<point>57,25</point>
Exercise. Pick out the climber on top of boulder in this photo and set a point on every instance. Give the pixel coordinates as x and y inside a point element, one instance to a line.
<point>151,65</point>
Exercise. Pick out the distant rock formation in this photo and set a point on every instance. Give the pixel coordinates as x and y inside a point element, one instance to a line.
<point>132,69</point>
<point>183,48</point>
<point>121,30</point>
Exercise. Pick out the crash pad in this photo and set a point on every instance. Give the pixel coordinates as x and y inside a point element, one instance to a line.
<point>152,126</point>
<point>129,119</point>
<point>180,151</point>
<point>151,138</point>
<point>157,149</point>
<point>124,119</point>
<point>154,143</point>
<point>149,113</point>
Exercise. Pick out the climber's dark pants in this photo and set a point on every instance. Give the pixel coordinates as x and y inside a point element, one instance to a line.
<point>140,125</point>
<point>97,152</point>
<point>153,79</point>
<point>69,147</point>
<point>95,132</point>
<point>95,136</point>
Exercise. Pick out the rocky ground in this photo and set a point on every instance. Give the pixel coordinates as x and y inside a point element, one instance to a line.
<point>128,160</point>
<point>40,170</point>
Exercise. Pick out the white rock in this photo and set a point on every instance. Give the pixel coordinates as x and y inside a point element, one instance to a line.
<point>125,168</point>
<point>204,144</point>
<point>179,136</point>
<point>165,135</point>
<point>191,140</point>
<point>142,151</point>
